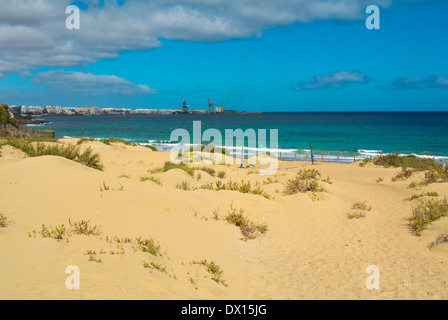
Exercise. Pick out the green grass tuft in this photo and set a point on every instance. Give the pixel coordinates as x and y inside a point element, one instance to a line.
<point>58,233</point>
<point>84,228</point>
<point>148,246</point>
<point>184,185</point>
<point>154,265</point>
<point>151,178</point>
<point>78,228</point>
<point>213,269</point>
<point>170,166</point>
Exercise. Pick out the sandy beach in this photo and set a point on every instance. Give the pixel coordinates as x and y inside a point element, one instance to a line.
<point>311,250</point>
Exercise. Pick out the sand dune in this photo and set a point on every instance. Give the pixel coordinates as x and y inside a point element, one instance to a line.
<point>311,250</point>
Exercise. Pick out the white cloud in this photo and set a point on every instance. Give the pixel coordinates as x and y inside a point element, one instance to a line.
<point>420,83</point>
<point>334,80</point>
<point>88,84</point>
<point>441,81</point>
<point>33,33</point>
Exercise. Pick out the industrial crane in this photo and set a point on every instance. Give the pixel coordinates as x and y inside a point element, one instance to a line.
<point>211,106</point>
<point>185,106</point>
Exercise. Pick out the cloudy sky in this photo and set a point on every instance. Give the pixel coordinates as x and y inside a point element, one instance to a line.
<point>268,55</point>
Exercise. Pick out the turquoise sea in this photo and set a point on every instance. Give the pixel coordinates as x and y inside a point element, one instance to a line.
<point>349,134</point>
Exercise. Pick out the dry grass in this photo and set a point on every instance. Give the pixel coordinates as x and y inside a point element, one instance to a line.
<point>58,233</point>
<point>214,270</point>
<point>184,185</point>
<point>442,238</point>
<point>148,246</point>
<point>249,229</point>
<point>4,220</point>
<point>35,148</point>
<point>222,174</point>
<point>170,166</point>
<point>243,187</point>
<point>356,215</point>
<point>154,265</point>
<point>152,179</point>
<point>92,256</point>
<point>426,212</point>
<point>418,196</point>
<point>84,228</point>
<point>404,174</point>
<point>306,180</point>
<point>76,228</point>
<point>361,205</point>
<point>359,210</point>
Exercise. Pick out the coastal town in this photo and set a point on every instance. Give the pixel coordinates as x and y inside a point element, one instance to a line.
<point>27,111</point>
<point>51,110</point>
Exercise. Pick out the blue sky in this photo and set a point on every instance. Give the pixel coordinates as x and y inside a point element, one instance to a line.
<point>283,62</point>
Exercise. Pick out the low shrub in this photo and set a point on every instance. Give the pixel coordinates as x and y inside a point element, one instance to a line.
<point>249,229</point>
<point>426,212</point>
<point>305,180</point>
<point>411,161</point>
<point>404,174</point>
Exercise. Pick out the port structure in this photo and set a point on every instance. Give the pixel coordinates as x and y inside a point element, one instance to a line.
<point>185,106</point>
<point>212,108</point>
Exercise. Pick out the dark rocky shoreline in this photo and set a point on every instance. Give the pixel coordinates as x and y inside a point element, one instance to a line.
<point>21,131</point>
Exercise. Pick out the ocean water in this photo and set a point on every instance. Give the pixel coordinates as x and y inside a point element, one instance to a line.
<point>347,134</point>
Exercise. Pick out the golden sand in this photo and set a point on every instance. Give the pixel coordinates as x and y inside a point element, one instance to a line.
<point>311,250</point>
